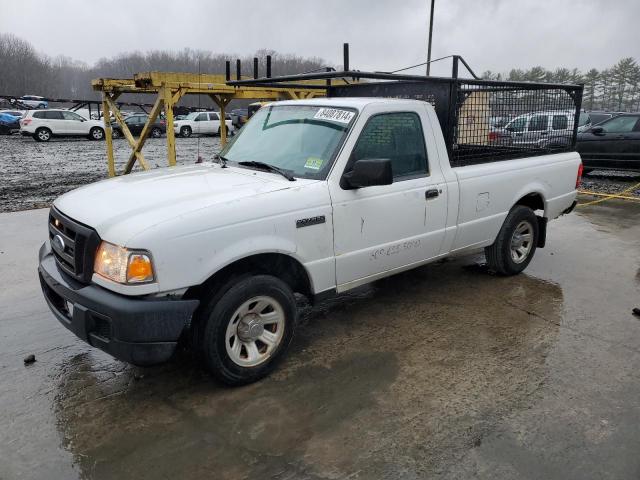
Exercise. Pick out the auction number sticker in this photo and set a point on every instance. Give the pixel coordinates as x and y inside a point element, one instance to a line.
<point>314,163</point>
<point>334,114</point>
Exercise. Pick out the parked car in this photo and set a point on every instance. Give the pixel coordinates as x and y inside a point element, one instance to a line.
<point>14,113</point>
<point>44,124</point>
<point>538,129</point>
<point>136,123</point>
<point>239,117</point>
<point>313,197</point>
<point>612,144</point>
<point>34,101</point>
<point>203,123</point>
<point>9,123</point>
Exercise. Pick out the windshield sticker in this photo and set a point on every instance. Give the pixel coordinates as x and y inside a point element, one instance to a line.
<point>314,163</point>
<point>335,115</point>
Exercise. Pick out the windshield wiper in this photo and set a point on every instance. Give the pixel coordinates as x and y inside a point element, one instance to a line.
<point>222,160</point>
<point>271,168</point>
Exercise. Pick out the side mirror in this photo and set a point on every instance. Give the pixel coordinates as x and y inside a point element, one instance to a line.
<point>597,131</point>
<point>369,172</point>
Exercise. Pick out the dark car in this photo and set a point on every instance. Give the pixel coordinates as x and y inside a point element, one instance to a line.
<point>136,123</point>
<point>9,123</point>
<point>612,144</point>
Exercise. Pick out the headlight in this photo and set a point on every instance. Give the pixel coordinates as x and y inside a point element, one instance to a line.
<point>123,265</point>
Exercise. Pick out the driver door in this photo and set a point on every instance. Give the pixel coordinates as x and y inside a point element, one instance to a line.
<point>73,123</point>
<point>200,122</point>
<point>379,229</point>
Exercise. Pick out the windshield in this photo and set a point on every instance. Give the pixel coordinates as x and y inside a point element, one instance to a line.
<point>192,116</point>
<point>301,139</point>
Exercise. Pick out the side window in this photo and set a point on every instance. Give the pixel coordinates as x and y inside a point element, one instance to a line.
<point>538,123</point>
<point>560,122</point>
<point>39,114</point>
<point>213,116</point>
<point>397,136</point>
<point>622,124</point>
<point>53,115</point>
<point>71,116</point>
<point>201,118</point>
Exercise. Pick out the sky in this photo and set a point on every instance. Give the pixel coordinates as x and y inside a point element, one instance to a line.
<point>384,35</point>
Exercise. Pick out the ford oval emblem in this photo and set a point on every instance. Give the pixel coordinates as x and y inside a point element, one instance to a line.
<point>58,242</point>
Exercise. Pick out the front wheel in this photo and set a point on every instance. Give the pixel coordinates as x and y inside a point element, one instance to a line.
<point>515,244</point>
<point>156,133</point>
<point>96,133</point>
<point>246,328</point>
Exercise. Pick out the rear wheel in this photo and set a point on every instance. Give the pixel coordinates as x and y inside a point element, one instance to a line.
<point>96,133</point>
<point>42,134</point>
<point>246,327</point>
<point>116,133</point>
<point>516,242</point>
<point>156,133</point>
<point>185,132</point>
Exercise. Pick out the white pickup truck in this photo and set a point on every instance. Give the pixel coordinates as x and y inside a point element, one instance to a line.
<point>312,197</point>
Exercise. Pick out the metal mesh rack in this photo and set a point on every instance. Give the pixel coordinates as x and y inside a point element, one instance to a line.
<point>482,120</point>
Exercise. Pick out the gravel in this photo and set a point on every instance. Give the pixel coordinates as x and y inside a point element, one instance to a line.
<point>612,181</point>
<point>33,174</point>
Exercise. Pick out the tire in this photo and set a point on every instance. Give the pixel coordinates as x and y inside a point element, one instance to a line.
<point>238,310</point>
<point>185,132</point>
<point>41,106</point>
<point>42,134</point>
<point>515,244</point>
<point>116,133</point>
<point>156,133</point>
<point>96,133</point>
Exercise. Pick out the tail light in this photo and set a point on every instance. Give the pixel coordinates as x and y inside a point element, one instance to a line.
<point>163,122</point>
<point>25,121</point>
<point>579,177</point>
<point>493,136</point>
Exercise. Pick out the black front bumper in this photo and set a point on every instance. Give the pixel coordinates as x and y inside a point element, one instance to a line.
<point>137,330</point>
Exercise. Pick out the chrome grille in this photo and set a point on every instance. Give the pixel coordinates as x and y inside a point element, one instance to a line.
<point>73,245</point>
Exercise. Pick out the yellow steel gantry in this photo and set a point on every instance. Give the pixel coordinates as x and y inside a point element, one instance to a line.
<point>169,88</point>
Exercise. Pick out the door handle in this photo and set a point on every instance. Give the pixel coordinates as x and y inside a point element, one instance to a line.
<point>433,193</point>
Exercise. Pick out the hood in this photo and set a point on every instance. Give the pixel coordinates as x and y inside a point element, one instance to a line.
<point>122,207</point>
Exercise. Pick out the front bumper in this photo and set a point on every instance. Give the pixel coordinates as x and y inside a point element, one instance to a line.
<point>141,331</point>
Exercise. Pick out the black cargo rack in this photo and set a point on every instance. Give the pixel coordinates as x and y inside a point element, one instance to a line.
<point>466,107</point>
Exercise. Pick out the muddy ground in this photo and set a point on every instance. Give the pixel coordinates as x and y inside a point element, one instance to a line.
<point>440,372</point>
<point>33,174</point>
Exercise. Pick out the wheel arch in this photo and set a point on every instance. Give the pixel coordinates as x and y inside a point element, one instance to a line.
<point>278,264</point>
<point>536,201</point>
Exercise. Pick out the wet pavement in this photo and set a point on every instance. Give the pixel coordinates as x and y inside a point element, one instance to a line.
<point>441,372</point>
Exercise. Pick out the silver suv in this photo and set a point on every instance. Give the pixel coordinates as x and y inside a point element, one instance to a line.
<point>541,129</point>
